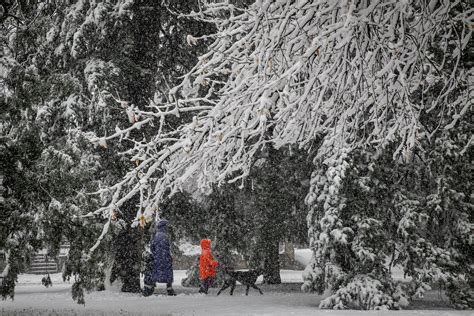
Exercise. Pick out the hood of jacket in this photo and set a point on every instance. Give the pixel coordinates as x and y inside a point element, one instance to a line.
<point>205,244</point>
<point>162,226</point>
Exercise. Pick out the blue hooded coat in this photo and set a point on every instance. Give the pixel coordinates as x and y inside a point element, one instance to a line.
<point>160,248</point>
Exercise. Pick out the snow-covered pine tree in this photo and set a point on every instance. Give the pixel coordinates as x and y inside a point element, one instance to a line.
<point>47,102</point>
<point>19,233</point>
<point>64,73</point>
<point>393,197</point>
<point>395,216</point>
<point>436,223</point>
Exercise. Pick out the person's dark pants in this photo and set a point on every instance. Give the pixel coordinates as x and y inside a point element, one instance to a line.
<point>169,289</point>
<point>148,289</point>
<point>206,284</point>
<point>149,285</point>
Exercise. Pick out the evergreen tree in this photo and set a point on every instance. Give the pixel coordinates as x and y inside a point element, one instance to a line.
<point>65,77</point>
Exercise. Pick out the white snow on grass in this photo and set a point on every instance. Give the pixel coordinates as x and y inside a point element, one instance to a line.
<point>32,298</point>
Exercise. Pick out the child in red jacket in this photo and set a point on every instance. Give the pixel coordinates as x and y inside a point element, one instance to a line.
<point>207,266</point>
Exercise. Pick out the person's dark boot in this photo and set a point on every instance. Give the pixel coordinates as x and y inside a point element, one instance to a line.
<point>148,290</point>
<point>170,292</point>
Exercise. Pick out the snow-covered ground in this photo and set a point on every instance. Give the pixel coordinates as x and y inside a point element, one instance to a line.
<point>32,298</point>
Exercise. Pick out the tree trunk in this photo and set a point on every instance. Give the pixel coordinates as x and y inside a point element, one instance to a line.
<point>271,263</point>
<point>128,250</point>
<point>127,260</point>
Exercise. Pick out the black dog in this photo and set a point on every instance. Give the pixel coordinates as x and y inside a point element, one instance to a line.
<point>247,278</point>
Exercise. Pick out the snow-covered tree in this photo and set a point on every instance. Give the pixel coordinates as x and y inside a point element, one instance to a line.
<point>375,68</point>
<point>345,76</point>
<point>46,104</point>
<point>64,75</point>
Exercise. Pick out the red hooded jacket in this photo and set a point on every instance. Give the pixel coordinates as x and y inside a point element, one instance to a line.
<point>207,264</point>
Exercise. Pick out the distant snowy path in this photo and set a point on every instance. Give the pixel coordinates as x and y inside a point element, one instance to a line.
<point>32,298</point>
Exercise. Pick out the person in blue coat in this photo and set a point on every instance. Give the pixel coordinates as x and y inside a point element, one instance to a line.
<point>160,266</point>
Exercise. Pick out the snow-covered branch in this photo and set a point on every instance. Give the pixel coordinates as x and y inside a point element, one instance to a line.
<point>358,73</point>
